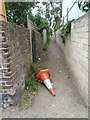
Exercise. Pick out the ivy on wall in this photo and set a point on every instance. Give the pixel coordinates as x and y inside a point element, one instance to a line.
<point>65,31</point>
<point>84,5</point>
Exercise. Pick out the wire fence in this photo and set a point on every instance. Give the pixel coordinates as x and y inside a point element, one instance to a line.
<point>72,13</point>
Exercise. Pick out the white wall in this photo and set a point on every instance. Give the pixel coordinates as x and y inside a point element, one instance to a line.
<point>76,53</point>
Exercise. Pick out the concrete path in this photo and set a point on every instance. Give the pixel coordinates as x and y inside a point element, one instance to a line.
<point>66,103</point>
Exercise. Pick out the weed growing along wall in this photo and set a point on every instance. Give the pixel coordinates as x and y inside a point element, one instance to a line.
<point>76,52</point>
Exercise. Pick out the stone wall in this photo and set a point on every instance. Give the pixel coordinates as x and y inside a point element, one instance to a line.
<point>76,53</point>
<point>15,58</point>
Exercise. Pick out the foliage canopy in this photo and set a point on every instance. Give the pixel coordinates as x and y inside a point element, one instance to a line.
<point>66,29</point>
<point>84,6</point>
<point>41,22</point>
<point>17,12</point>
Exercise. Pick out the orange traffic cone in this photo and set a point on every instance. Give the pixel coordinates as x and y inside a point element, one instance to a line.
<point>44,77</point>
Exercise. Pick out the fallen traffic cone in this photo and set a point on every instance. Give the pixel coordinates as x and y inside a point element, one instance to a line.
<point>44,77</point>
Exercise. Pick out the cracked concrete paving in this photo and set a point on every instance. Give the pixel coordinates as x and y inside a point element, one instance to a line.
<point>67,102</point>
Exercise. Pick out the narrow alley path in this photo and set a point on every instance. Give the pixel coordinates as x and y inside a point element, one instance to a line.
<point>66,103</point>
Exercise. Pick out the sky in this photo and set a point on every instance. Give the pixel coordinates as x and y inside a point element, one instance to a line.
<point>35,9</point>
<point>74,13</point>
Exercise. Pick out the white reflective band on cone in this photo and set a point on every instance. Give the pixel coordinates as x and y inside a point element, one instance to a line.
<point>48,84</point>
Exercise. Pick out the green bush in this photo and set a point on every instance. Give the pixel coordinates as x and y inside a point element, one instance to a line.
<point>66,29</point>
<point>41,22</point>
<point>84,6</point>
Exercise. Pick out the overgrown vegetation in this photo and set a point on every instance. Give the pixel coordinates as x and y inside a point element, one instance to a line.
<point>84,5</point>
<point>41,22</point>
<point>31,88</point>
<point>46,44</point>
<point>65,31</point>
<point>17,13</point>
<point>31,84</point>
<point>36,67</point>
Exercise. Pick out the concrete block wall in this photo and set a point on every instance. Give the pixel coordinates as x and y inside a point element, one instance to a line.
<point>15,58</point>
<point>76,53</point>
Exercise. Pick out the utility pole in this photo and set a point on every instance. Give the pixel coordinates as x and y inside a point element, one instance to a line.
<point>2,11</point>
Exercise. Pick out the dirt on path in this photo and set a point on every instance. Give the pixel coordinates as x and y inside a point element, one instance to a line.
<point>66,103</point>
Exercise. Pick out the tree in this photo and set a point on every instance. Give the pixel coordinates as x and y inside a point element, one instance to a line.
<point>53,13</point>
<point>41,22</point>
<point>17,12</point>
<point>56,12</point>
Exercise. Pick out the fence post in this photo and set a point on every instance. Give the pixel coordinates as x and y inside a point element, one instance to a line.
<point>67,14</point>
<point>63,20</point>
<point>30,28</point>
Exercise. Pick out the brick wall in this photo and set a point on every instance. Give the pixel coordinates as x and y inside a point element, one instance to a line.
<point>15,58</point>
<point>76,53</point>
